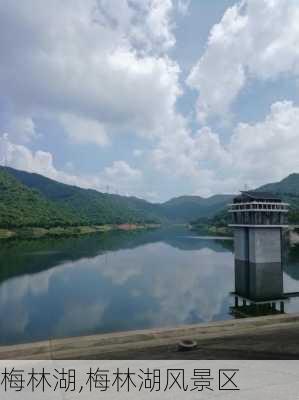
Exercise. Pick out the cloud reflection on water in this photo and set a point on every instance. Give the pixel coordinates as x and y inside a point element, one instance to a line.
<point>124,282</point>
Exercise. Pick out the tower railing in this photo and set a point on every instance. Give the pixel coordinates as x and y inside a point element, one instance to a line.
<point>259,213</point>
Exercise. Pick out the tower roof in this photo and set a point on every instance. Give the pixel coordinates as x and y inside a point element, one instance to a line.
<point>257,196</point>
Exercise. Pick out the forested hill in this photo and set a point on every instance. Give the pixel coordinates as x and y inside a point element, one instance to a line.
<point>187,208</point>
<point>21,206</point>
<point>287,189</point>
<point>89,205</point>
<point>32,200</point>
<point>29,199</point>
<point>75,205</point>
<point>287,186</point>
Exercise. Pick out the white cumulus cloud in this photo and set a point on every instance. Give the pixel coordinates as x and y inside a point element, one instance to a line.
<point>99,67</point>
<point>121,170</point>
<point>255,39</point>
<point>255,154</point>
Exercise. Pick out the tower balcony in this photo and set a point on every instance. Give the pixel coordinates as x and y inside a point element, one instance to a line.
<point>254,209</point>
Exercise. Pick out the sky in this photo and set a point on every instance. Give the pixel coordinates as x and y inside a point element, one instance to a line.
<point>151,98</point>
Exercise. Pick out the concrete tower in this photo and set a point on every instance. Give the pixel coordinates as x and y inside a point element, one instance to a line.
<point>258,220</point>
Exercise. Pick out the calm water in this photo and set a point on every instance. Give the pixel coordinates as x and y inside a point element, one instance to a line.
<point>116,282</point>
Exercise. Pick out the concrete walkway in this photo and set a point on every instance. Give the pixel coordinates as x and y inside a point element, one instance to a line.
<point>270,337</point>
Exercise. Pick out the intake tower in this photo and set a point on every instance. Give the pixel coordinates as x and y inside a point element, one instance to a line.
<point>258,220</point>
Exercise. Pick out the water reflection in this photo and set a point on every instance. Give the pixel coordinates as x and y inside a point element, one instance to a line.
<point>259,289</point>
<point>113,282</point>
<point>28,257</point>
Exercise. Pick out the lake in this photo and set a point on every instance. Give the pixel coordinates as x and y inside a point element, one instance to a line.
<point>118,281</point>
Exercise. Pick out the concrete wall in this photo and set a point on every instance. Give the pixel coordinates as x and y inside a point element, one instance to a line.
<point>241,261</point>
<point>265,264</point>
<point>265,281</point>
<point>258,264</point>
<point>242,278</point>
<point>265,245</point>
<point>241,243</point>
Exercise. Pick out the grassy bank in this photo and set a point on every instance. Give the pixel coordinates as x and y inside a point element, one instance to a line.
<point>59,231</point>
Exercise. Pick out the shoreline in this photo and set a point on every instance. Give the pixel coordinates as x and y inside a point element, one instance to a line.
<point>69,231</point>
<point>211,230</point>
<point>32,233</point>
<point>223,231</point>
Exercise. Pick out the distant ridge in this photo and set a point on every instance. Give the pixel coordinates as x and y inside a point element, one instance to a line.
<point>287,189</point>
<point>83,206</point>
<point>188,208</point>
<point>288,185</point>
<point>87,206</point>
<point>30,199</point>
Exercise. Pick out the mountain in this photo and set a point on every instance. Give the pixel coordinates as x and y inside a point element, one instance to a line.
<point>21,206</point>
<point>84,206</point>
<point>89,207</point>
<point>287,186</point>
<point>188,208</point>
<point>29,199</point>
<point>287,189</point>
